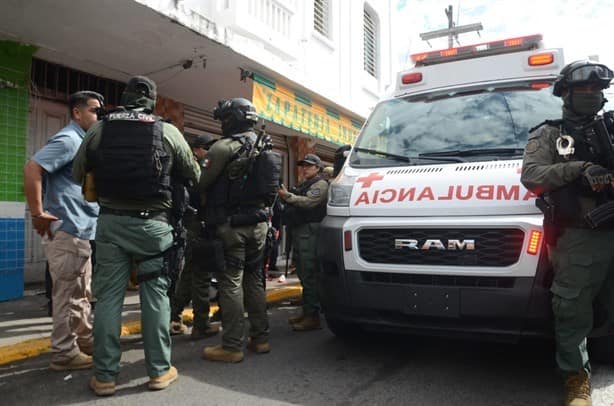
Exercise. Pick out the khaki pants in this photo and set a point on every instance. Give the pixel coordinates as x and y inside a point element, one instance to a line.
<point>70,267</point>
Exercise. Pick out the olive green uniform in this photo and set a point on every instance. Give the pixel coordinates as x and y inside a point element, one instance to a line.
<point>240,285</point>
<point>120,240</point>
<point>305,242</point>
<point>582,258</point>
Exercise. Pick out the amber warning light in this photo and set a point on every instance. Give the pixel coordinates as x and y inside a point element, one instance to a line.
<point>535,241</point>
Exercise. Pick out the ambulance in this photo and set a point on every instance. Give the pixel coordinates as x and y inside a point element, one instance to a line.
<point>428,228</point>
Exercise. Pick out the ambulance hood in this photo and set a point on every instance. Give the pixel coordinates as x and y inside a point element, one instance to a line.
<point>464,189</point>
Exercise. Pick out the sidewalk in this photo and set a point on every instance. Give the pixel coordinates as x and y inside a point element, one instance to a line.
<point>25,327</point>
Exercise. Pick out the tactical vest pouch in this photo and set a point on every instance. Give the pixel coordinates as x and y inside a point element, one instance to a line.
<point>601,216</point>
<point>264,177</point>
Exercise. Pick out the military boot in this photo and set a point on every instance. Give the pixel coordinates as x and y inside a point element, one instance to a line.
<point>309,322</point>
<point>259,348</point>
<point>102,388</point>
<point>219,353</point>
<point>578,389</point>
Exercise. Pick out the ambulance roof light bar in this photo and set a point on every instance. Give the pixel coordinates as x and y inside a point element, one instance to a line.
<point>477,50</point>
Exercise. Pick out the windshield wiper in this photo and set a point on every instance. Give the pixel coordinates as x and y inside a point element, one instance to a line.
<point>383,153</point>
<point>475,152</point>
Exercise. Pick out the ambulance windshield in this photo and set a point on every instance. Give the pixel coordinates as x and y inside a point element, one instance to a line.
<point>472,125</point>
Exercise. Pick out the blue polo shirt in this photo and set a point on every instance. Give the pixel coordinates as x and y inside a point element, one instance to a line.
<point>62,197</point>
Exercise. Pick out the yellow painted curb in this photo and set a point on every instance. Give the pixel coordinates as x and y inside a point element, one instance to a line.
<point>32,348</point>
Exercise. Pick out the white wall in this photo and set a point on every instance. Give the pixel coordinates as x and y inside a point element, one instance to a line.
<point>332,68</point>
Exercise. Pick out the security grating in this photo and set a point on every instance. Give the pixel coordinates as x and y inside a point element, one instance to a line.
<point>370,46</point>
<point>321,10</point>
<point>58,82</point>
<point>493,247</point>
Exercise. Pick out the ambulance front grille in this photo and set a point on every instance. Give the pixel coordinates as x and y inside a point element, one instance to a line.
<point>492,247</point>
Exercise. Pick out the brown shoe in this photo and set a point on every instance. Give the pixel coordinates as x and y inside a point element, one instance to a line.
<point>177,328</point>
<point>162,381</point>
<point>297,318</point>
<point>309,322</point>
<point>210,331</point>
<point>259,348</point>
<point>219,353</point>
<point>102,388</point>
<point>578,389</point>
<point>79,361</point>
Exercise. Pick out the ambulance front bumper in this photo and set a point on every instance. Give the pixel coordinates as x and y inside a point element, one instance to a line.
<point>502,302</point>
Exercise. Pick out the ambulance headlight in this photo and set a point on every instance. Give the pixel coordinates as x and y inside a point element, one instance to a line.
<point>341,190</point>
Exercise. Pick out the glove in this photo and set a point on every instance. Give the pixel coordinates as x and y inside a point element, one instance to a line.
<point>596,175</point>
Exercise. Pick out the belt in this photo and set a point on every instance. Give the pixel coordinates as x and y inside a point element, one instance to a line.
<point>160,215</point>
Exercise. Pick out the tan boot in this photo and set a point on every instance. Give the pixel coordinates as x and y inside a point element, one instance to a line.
<point>259,348</point>
<point>309,322</point>
<point>219,353</point>
<point>79,361</point>
<point>102,388</point>
<point>296,318</point>
<point>177,328</point>
<point>162,381</point>
<point>210,331</point>
<point>578,389</point>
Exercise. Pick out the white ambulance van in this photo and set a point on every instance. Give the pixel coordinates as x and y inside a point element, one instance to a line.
<point>429,229</point>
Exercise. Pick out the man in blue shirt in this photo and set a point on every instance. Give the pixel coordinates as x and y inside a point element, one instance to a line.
<point>67,223</point>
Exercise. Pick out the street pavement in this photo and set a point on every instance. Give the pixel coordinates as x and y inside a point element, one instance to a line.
<point>316,368</point>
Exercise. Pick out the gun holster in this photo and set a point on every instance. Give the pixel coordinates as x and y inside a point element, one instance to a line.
<point>551,230</point>
<point>601,216</point>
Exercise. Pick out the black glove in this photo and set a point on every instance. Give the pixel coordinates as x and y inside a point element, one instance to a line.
<point>595,175</point>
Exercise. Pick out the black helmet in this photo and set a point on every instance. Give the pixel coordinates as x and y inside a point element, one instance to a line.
<point>582,72</point>
<point>140,91</point>
<point>236,114</point>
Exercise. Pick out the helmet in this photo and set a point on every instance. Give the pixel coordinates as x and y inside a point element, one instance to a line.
<point>140,91</point>
<point>582,72</point>
<point>235,114</point>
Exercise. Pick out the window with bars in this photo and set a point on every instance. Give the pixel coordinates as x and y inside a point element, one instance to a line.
<point>58,82</point>
<point>370,45</point>
<point>321,20</point>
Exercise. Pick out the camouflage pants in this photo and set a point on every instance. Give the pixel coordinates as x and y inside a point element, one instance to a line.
<point>583,262</point>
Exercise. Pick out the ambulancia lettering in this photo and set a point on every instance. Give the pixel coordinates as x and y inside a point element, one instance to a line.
<point>452,245</point>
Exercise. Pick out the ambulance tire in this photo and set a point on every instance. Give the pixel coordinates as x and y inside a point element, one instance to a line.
<point>601,350</point>
<point>343,330</point>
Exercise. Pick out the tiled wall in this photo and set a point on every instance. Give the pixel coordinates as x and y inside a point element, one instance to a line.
<point>15,62</point>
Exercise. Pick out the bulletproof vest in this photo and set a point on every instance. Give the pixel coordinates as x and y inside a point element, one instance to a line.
<point>588,148</point>
<point>315,214</point>
<point>131,162</point>
<point>250,180</point>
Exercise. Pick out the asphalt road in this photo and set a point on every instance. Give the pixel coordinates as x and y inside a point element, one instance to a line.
<point>316,368</point>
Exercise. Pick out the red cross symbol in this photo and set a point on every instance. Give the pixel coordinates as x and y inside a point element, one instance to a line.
<point>368,180</point>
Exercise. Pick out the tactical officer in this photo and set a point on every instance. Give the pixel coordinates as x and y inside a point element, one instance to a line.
<point>134,157</point>
<point>240,223</point>
<point>568,163</point>
<point>305,209</point>
<point>195,278</point>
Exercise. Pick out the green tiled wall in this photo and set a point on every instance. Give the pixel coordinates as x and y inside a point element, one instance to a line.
<point>15,62</point>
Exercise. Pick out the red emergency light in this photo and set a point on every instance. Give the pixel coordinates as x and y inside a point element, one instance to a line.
<point>472,51</point>
<point>409,78</point>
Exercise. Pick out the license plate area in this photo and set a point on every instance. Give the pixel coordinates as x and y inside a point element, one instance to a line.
<point>433,301</point>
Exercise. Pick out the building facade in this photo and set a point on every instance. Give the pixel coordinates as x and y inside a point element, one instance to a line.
<point>314,69</point>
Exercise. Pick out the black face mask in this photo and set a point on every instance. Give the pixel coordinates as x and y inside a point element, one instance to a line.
<point>584,104</point>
